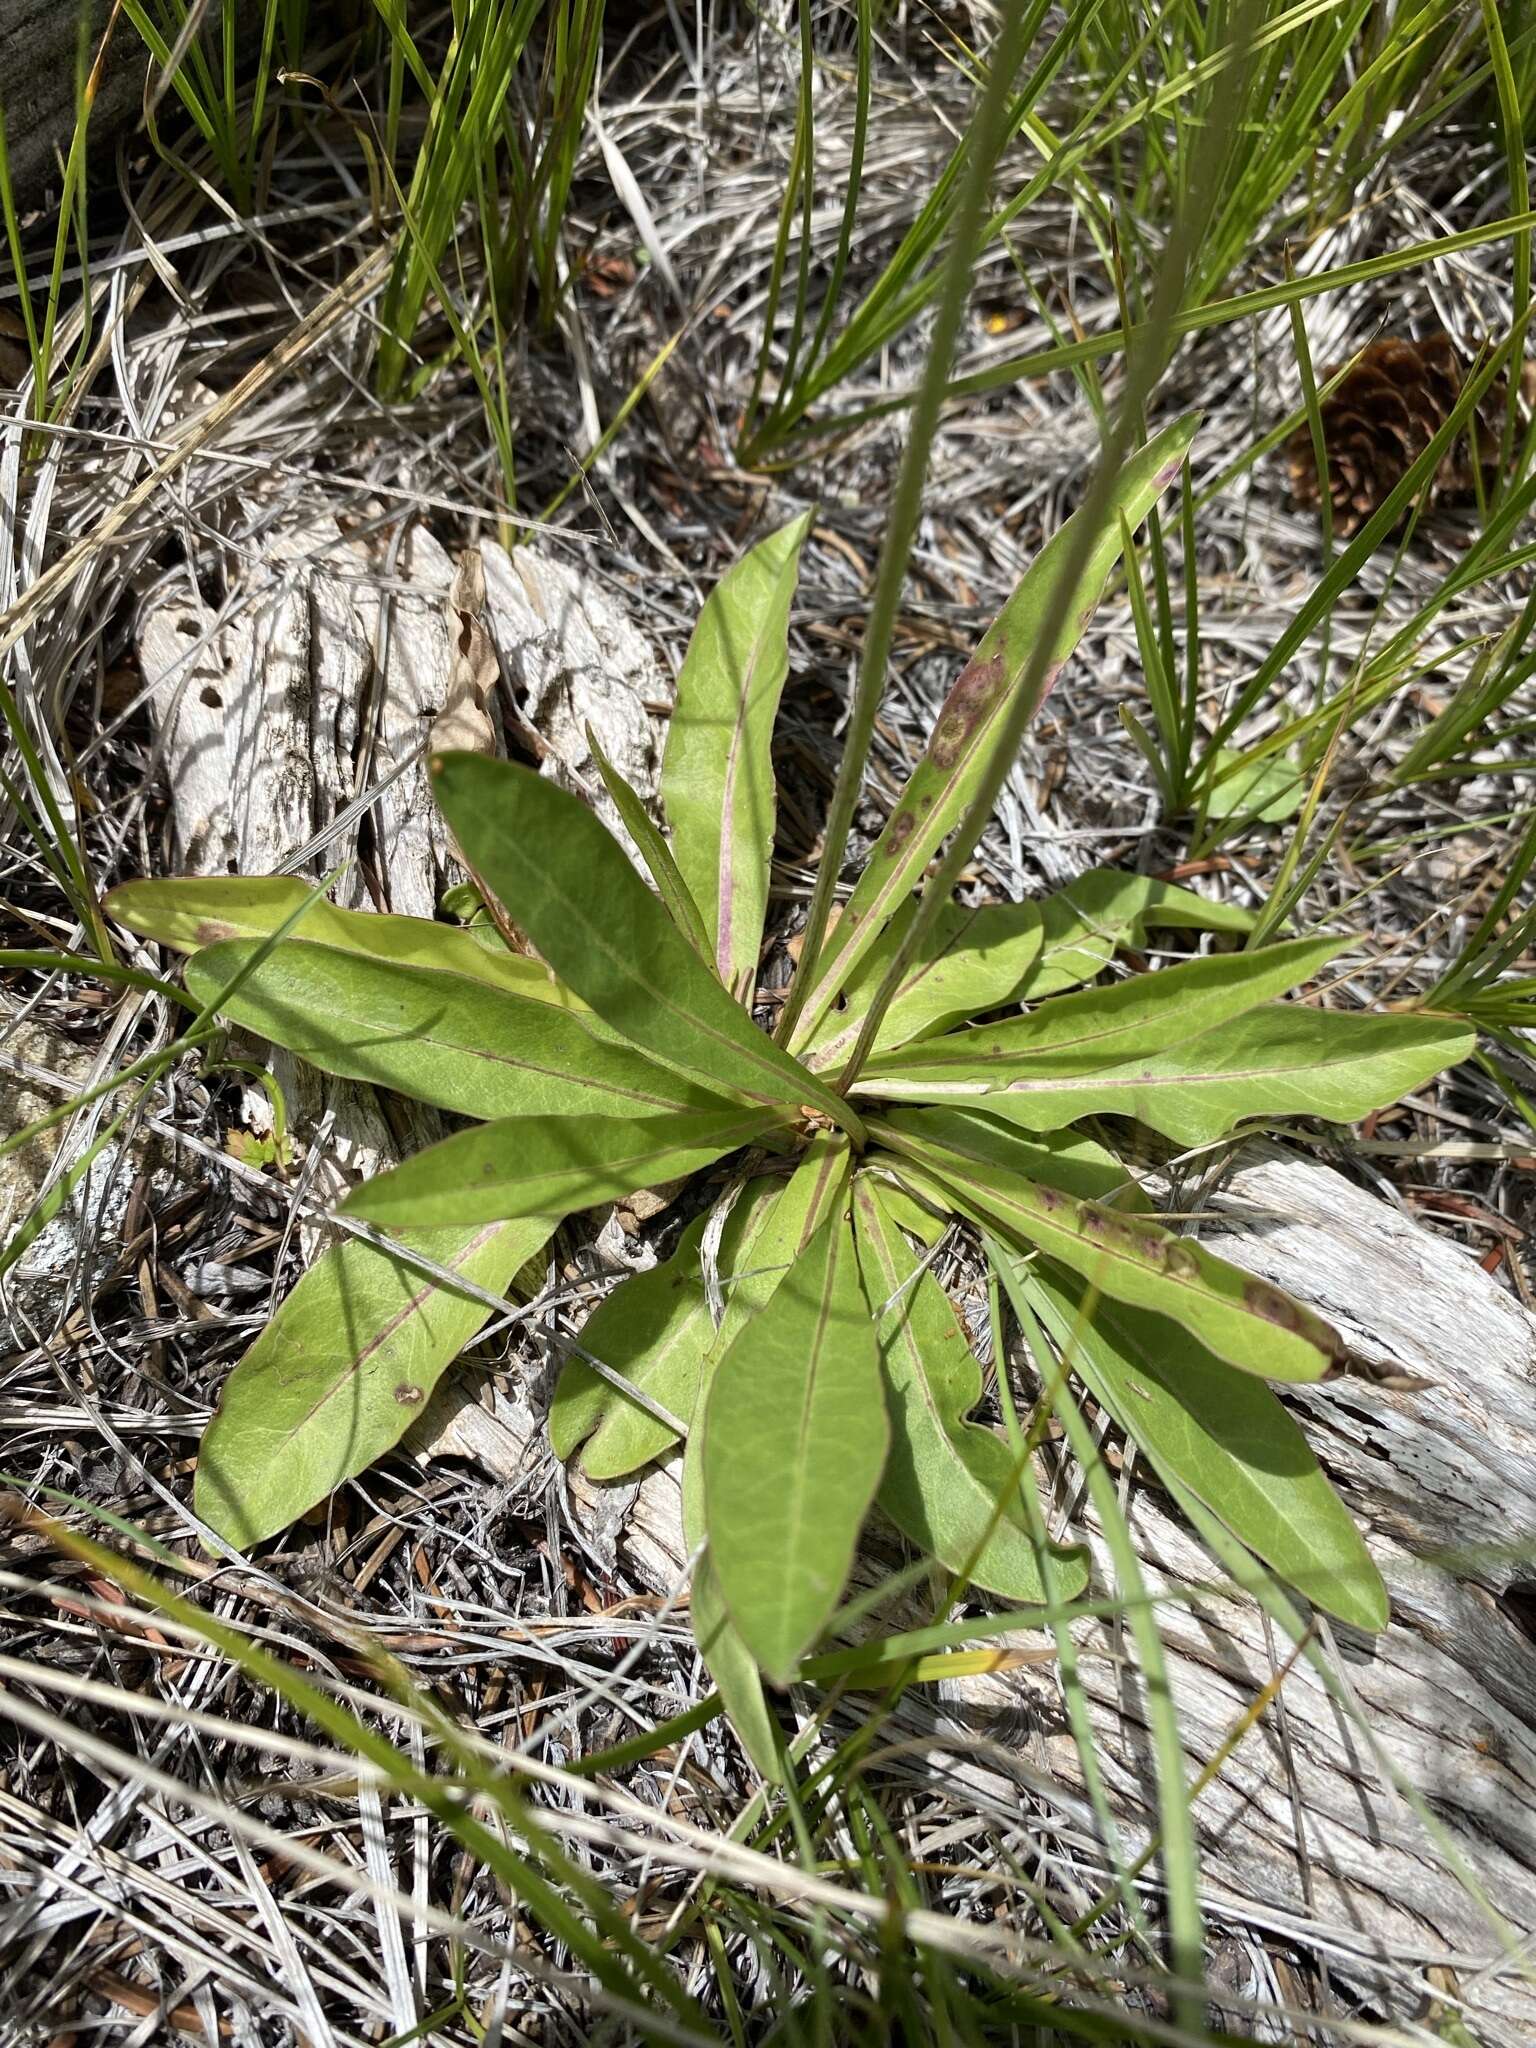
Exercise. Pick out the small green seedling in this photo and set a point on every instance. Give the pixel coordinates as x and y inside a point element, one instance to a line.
<point>797,1341</point>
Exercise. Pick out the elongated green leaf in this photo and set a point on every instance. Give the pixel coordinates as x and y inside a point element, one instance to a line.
<point>1091,919</point>
<point>979,960</point>
<point>726,1657</point>
<point>717,774</point>
<point>1221,1434</point>
<point>1269,790</point>
<point>947,776</point>
<point>533,1165</point>
<point>654,851</point>
<point>441,1038</point>
<point>795,1438</point>
<point>568,883</point>
<point>189,912</point>
<point>343,1369</point>
<point>976,960</point>
<point>1100,1027</point>
<point>657,1331</point>
<point>654,1329</point>
<point>775,1232</point>
<point>1058,1159</point>
<point>1281,1060</point>
<point>777,1223</point>
<point>949,1485</point>
<point>1244,1321</point>
<point>927,1222</point>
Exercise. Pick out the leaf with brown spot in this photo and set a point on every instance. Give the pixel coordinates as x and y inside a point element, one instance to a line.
<point>341,1371</point>
<point>1222,1435</point>
<point>946,778</point>
<point>1127,1257</point>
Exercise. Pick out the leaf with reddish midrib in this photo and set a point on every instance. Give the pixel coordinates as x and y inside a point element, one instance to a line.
<point>717,782</point>
<point>343,1370</point>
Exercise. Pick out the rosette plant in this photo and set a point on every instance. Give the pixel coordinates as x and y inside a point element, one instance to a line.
<point>930,1064</point>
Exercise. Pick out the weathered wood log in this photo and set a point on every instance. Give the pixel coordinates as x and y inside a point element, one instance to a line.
<point>41,49</point>
<point>40,44</point>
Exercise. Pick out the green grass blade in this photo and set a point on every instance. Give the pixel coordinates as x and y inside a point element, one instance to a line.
<point>1009,661</point>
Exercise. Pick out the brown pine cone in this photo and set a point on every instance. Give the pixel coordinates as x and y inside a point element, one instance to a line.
<point>1379,420</point>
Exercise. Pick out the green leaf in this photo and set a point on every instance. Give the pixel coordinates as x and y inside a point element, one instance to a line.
<point>343,1369</point>
<point>950,1486</point>
<point>654,1330</point>
<point>947,776</point>
<point>188,912</point>
<point>776,1225</point>
<point>717,780</point>
<point>1284,1059</point>
<point>1242,1320</point>
<point>654,851</point>
<point>1221,1434</point>
<point>795,1438</point>
<point>774,1232</point>
<point>979,960</point>
<point>1091,919</point>
<point>568,883</point>
<point>1058,1159</point>
<point>1269,790</point>
<point>974,960</point>
<point>1099,1027</point>
<point>530,1165</point>
<point>726,1657</point>
<point>441,1038</point>
<point>925,1221</point>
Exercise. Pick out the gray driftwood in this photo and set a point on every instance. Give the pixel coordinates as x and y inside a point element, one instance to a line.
<point>298,707</point>
<point>336,653</point>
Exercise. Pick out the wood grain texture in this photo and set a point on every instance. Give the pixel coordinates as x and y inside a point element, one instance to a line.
<point>1304,1832</point>
<point>40,47</point>
<point>40,42</point>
